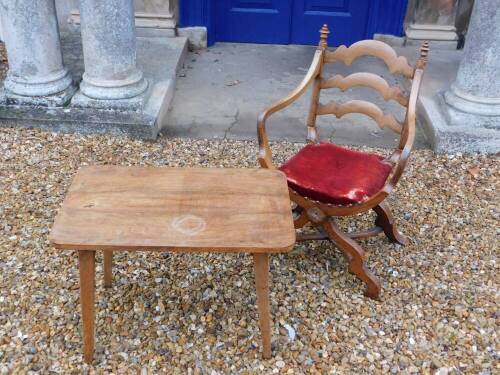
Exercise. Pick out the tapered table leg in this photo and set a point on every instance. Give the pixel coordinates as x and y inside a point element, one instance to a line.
<point>87,287</point>
<point>261,264</point>
<point>108,269</point>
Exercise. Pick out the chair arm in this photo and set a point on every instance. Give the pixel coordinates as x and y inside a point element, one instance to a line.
<point>265,155</point>
<point>408,136</point>
<point>400,166</point>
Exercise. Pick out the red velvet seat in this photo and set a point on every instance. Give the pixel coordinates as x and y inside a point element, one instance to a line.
<point>332,174</point>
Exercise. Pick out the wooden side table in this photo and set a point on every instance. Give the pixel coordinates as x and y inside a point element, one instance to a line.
<point>112,208</point>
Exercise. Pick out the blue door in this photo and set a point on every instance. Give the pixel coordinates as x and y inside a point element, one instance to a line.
<point>290,21</point>
<point>347,20</point>
<point>253,21</point>
<point>293,21</point>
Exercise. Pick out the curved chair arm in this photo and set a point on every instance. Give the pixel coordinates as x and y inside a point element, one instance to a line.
<point>265,155</point>
<point>409,131</point>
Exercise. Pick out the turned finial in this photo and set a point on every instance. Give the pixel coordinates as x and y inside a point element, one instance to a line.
<point>323,36</point>
<point>424,52</point>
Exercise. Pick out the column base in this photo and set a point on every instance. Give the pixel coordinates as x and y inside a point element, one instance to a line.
<point>56,100</point>
<point>447,129</point>
<point>51,85</point>
<point>129,88</point>
<point>80,100</point>
<point>464,102</point>
<point>450,130</point>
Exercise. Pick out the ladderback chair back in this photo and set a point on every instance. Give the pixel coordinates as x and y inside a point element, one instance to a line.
<point>327,181</point>
<point>397,65</point>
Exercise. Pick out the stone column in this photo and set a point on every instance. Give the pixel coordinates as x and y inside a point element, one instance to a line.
<point>109,50</point>
<point>477,87</point>
<point>1,32</point>
<point>36,72</point>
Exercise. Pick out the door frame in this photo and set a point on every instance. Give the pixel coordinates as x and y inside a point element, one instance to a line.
<point>385,16</point>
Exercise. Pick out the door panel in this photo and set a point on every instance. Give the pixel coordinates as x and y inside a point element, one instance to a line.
<point>254,21</point>
<point>347,20</point>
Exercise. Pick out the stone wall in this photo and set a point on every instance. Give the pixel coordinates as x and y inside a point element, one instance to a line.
<point>438,13</point>
<point>64,8</point>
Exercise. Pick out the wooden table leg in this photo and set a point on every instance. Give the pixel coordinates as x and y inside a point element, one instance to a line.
<point>261,264</point>
<point>87,286</point>
<point>108,268</point>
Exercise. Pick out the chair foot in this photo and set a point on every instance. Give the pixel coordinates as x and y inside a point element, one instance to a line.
<point>355,256</point>
<point>385,220</point>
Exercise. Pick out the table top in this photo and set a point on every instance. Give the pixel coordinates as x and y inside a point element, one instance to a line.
<point>175,209</point>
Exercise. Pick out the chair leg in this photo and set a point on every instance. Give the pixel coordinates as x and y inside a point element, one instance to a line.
<point>300,219</point>
<point>385,220</point>
<point>355,256</point>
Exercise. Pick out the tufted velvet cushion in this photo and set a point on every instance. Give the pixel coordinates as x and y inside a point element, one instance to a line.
<point>333,174</point>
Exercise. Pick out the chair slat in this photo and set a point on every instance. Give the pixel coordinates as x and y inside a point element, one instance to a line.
<point>368,80</point>
<point>363,107</point>
<point>322,215</point>
<point>376,48</point>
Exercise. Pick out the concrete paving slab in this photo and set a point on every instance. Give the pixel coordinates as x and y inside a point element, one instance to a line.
<point>220,92</point>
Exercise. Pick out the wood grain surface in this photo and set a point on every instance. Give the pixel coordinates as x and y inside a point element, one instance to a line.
<point>175,209</point>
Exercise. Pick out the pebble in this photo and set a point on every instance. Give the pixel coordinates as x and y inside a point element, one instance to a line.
<point>167,313</point>
<point>280,364</point>
<point>291,331</point>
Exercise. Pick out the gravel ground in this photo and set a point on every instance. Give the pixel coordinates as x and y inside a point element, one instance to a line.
<point>196,314</point>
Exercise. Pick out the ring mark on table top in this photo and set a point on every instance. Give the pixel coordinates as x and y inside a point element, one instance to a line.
<point>189,225</point>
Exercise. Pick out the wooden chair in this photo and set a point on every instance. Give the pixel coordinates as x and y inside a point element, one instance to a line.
<point>327,181</point>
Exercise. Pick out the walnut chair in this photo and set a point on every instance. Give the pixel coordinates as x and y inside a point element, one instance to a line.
<point>327,181</point>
